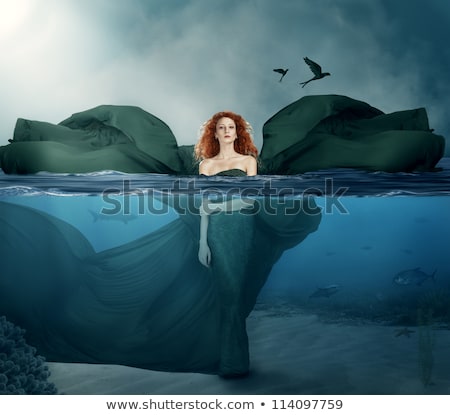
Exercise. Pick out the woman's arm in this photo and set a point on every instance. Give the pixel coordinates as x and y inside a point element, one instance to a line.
<point>204,253</point>
<point>206,208</point>
<point>231,205</point>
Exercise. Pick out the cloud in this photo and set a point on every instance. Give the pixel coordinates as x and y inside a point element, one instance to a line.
<point>48,60</point>
<point>183,61</point>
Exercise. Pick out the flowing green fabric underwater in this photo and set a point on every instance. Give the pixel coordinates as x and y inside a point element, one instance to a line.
<point>148,303</point>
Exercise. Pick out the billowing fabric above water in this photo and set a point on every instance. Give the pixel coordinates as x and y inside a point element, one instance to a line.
<point>315,132</point>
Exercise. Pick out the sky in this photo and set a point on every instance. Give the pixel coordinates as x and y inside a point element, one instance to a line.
<point>184,60</point>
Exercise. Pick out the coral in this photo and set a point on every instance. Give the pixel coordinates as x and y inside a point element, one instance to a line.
<point>22,371</point>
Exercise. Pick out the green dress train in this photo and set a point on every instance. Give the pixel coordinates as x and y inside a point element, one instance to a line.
<point>314,132</point>
<point>148,303</point>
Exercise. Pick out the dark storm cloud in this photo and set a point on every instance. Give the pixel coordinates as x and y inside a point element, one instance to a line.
<point>184,60</point>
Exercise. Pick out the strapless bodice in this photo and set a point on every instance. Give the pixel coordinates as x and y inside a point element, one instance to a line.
<point>232,172</point>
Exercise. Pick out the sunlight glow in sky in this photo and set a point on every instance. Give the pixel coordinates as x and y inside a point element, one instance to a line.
<point>185,60</point>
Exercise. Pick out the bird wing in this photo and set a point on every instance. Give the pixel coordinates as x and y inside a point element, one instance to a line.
<point>279,70</point>
<point>315,67</point>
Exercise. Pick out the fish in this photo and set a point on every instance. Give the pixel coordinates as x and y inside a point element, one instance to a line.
<point>366,247</point>
<point>327,291</point>
<point>124,218</point>
<point>412,277</point>
<point>404,332</point>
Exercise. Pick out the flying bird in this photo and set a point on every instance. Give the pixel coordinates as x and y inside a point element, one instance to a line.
<point>316,70</point>
<point>282,72</point>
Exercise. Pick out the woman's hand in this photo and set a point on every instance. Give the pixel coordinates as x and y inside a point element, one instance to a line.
<point>207,207</point>
<point>204,254</point>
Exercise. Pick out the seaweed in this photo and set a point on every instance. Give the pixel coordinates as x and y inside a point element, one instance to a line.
<point>437,300</point>
<point>426,345</point>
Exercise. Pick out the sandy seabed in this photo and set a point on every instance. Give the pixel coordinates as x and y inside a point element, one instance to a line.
<point>291,353</point>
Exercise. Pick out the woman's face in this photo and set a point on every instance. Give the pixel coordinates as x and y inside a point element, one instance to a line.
<point>226,130</point>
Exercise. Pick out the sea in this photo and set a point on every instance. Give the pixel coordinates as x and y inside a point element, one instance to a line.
<point>374,226</point>
<point>380,255</point>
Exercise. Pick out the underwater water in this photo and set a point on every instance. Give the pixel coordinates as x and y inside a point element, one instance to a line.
<point>379,254</point>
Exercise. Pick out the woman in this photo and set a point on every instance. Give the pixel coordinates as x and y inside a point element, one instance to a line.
<point>226,148</point>
<point>226,144</point>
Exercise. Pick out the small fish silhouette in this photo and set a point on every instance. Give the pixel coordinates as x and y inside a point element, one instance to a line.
<point>367,247</point>
<point>404,332</point>
<point>413,277</point>
<point>122,217</point>
<point>327,291</point>
<point>316,70</point>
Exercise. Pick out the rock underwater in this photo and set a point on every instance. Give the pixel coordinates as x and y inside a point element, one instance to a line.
<point>314,132</point>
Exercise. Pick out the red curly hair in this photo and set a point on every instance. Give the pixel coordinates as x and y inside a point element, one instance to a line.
<point>207,146</point>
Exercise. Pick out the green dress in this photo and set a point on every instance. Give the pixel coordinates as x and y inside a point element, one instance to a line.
<point>230,238</point>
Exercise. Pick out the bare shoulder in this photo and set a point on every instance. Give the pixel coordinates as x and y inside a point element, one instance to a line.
<point>249,159</point>
<point>251,165</point>
<point>204,166</point>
